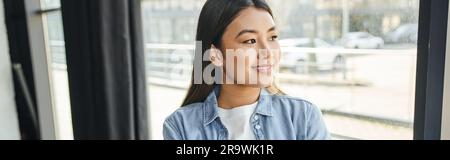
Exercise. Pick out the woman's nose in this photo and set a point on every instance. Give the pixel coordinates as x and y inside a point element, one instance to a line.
<point>264,50</point>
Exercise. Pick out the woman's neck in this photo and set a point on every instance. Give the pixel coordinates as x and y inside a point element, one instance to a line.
<point>232,96</point>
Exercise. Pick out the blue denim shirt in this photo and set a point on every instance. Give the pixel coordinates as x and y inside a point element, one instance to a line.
<point>275,118</point>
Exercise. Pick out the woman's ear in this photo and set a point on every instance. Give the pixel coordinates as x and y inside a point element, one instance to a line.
<point>216,56</point>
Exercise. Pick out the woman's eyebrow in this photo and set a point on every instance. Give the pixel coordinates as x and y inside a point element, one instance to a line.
<point>246,31</point>
<point>253,31</point>
<point>272,29</point>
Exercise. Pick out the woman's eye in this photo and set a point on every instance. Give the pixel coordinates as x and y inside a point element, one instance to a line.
<point>250,41</point>
<point>274,38</point>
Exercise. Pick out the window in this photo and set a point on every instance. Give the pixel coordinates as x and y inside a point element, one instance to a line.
<point>372,95</point>
<point>169,29</point>
<point>9,125</point>
<point>352,58</point>
<point>54,33</point>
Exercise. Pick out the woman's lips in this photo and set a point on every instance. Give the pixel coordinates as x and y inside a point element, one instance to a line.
<point>263,68</point>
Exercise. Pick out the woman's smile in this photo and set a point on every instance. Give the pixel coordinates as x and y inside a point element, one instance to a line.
<point>263,68</point>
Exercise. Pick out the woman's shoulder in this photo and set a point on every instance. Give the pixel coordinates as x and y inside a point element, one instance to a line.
<point>192,106</point>
<point>290,99</point>
<point>292,103</point>
<point>193,109</point>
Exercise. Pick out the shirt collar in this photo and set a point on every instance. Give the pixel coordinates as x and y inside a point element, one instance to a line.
<point>211,107</point>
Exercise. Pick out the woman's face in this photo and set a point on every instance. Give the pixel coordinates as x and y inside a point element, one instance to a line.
<point>250,49</point>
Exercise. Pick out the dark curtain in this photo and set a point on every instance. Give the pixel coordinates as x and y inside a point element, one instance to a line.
<point>105,63</point>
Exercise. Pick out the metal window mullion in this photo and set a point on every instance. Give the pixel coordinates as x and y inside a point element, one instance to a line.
<point>445,130</point>
<point>41,68</point>
<point>430,69</point>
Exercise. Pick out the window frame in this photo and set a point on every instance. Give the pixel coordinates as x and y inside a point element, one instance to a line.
<point>430,69</point>
<point>445,131</point>
<point>429,96</point>
<point>41,67</point>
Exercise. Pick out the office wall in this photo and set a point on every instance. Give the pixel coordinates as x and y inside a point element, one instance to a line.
<point>9,127</point>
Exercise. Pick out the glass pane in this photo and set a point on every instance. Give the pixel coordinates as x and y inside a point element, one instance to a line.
<point>354,59</point>
<point>56,51</point>
<point>50,4</point>
<point>364,80</point>
<point>9,124</point>
<point>169,32</point>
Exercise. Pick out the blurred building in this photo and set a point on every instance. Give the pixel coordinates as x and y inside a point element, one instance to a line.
<point>174,21</point>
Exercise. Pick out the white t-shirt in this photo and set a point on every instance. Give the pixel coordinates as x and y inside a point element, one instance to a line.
<point>237,121</point>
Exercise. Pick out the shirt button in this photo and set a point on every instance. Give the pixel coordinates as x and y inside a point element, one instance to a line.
<point>257,127</point>
<point>256,118</point>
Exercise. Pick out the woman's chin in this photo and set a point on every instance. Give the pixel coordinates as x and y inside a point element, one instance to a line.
<point>265,81</point>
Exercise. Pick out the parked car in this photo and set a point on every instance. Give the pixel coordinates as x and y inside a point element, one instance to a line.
<point>406,33</point>
<point>299,62</point>
<point>362,40</point>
